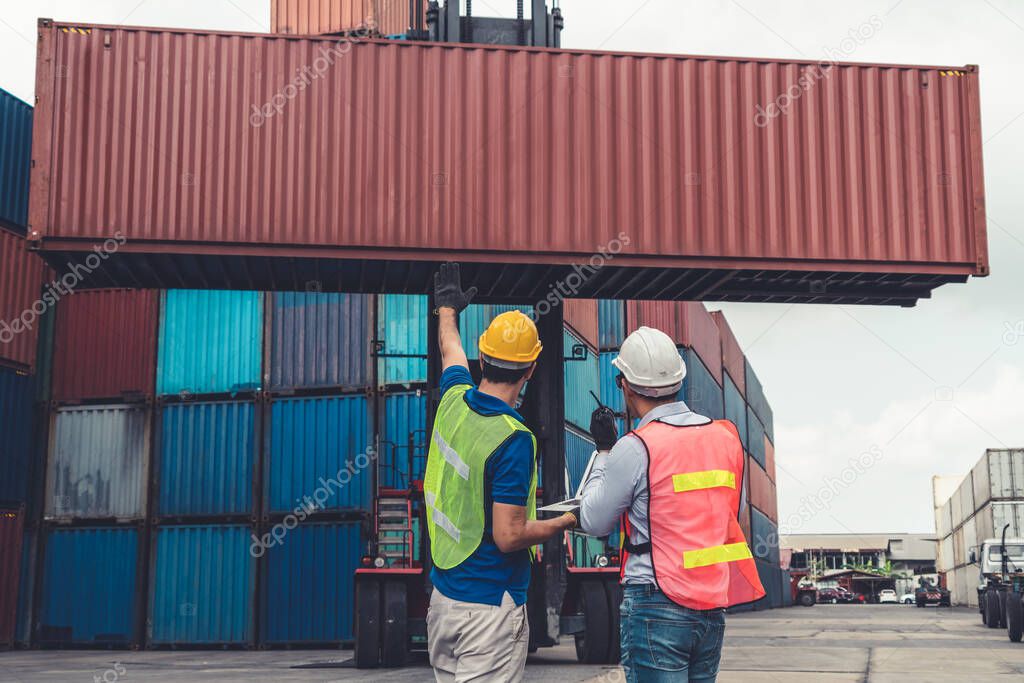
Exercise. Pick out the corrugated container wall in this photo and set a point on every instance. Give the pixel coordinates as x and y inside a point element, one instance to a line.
<point>99,463</point>
<point>202,586</point>
<point>308,594</point>
<point>998,475</point>
<point>769,458</point>
<point>15,160</point>
<point>943,520</point>
<point>762,491</point>
<point>105,344</point>
<point>12,524</point>
<point>210,342</point>
<point>27,584</point>
<point>383,17</point>
<point>402,329</point>
<point>610,393</point>
<point>733,360</point>
<point>758,402</point>
<point>736,410</point>
<point>764,540</point>
<point>320,340</point>
<point>578,449</point>
<point>688,323</point>
<point>581,378</point>
<point>581,316</point>
<point>756,438</point>
<point>967,498</point>
<point>207,459</point>
<point>317,451</point>
<point>23,274</point>
<point>89,590</point>
<point>403,437</point>
<point>611,316</point>
<point>16,438</point>
<point>779,202</point>
<point>700,390</point>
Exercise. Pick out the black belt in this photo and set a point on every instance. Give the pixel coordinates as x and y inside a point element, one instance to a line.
<point>640,549</point>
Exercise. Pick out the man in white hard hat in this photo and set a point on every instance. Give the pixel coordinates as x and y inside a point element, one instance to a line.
<point>675,484</point>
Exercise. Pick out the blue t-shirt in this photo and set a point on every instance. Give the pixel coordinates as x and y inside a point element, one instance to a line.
<point>488,573</point>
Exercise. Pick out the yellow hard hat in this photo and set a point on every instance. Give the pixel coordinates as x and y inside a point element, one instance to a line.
<point>510,341</point>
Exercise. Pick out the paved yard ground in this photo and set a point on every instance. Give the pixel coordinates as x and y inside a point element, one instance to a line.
<point>877,643</point>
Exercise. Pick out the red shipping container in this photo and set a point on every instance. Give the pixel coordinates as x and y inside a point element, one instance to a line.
<point>581,316</point>
<point>687,322</point>
<point>868,190</point>
<point>762,491</point>
<point>769,457</point>
<point>383,17</point>
<point>105,344</point>
<point>22,274</point>
<point>732,354</point>
<point>11,530</point>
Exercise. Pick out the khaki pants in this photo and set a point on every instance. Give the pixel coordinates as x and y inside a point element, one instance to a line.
<point>471,643</point>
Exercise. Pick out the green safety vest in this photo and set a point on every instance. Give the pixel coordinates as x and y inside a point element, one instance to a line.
<point>462,442</point>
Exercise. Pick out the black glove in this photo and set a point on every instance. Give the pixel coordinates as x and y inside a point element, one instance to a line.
<point>603,429</point>
<point>448,289</point>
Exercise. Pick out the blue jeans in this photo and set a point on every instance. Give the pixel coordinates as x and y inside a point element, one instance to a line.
<point>662,641</point>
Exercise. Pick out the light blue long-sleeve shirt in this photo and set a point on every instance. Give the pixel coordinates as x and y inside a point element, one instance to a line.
<point>618,482</point>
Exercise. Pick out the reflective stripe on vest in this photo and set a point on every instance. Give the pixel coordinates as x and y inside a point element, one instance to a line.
<point>694,481</point>
<point>700,557</point>
<point>720,553</point>
<point>461,443</point>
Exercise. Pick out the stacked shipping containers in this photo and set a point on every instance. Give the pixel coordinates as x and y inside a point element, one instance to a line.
<point>21,314</point>
<point>988,498</point>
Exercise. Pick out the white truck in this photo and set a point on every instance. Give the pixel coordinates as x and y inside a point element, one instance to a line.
<point>1001,585</point>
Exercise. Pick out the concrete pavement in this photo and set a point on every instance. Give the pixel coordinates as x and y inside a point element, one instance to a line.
<point>827,643</point>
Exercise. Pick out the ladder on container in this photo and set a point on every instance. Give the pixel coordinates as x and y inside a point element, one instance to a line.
<point>395,535</point>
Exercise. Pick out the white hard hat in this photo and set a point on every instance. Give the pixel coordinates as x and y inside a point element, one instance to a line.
<point>650,362</point>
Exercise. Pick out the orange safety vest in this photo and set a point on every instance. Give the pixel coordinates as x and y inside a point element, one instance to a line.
<point>700,557</point>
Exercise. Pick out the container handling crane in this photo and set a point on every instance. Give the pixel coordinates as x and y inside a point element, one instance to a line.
<point>575,588</point>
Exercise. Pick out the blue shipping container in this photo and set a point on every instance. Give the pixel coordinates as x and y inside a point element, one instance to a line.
<point>578,449</point>
<point>26,587</point>
<point>764,542</point>
<point>320,340</point>
<point>402,327</point>
<point>405,419</point>
<point>755,439</point>
<point>15,160</point>
<point>308,595</point>
<point>88,592</point>
<point>581,378</point>
<point>759,402</point>
<point>210,342</point>
<point>203,584</point>
<point>610,394</point>
<point>319,451</point>
<point>700,390</point>
<point>611,323</point>
<point>16,441</point>
<point>768,573</point>
<point>207,456</point>
<point>736,410</point>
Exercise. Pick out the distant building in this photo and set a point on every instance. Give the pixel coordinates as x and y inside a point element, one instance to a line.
<point>905,558</point>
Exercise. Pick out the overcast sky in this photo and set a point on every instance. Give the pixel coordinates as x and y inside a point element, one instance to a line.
<point>926,389</point>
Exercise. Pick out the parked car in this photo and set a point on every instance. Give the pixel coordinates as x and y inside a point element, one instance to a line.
<point>888,596</point>
<point>835,596</point>
<point>908,599</point>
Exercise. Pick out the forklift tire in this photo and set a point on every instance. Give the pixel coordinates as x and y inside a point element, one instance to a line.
<point>592,643</point>
<point>991,609</point>
<point>982,608</point>
<point>613,589</point>
<point>367,647</point>
<point>1014,617</point>
<point>1002,608</point>
<point>807,600</point>
<point>394,646</point>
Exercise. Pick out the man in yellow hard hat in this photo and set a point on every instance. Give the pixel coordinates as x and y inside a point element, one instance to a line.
<point>480,490</point>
